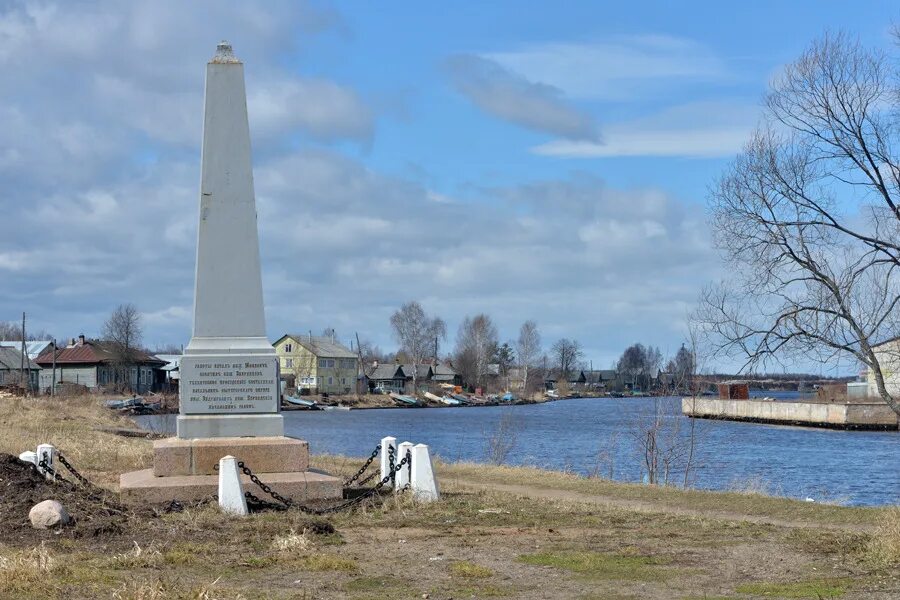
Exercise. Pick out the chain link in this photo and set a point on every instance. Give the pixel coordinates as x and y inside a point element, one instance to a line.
<point>96,491</point>
<point>53,472</point>
<point>362,469</point>
<point>288,503</point>
<point>76,474</point>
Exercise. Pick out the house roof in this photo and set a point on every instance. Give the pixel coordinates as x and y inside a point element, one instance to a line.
<point>33,349</point>
<point>599,375</point>
<point>385,371</point>
<point>322,347</point>
<point>11,358</point>
<point>93,352</point>
<point>173,362</point>
<point>421,371</point>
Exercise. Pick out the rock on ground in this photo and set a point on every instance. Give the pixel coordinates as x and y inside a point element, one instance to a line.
<point>47,514</point>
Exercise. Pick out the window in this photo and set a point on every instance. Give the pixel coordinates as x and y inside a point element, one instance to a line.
<point>288,348</point>
<point>343,381</point>
<point>289,363</point>
<point>322,362</point>
<point>331,381</point>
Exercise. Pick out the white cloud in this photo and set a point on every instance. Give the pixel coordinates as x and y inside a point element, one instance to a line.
<point>699,130</point>
<point>615,68</point>
<point>319,107</point>
<point>509,96</point>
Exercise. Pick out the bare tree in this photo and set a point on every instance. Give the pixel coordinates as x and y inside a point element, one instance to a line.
<point>528,346</point>
<point>566,353</point>
<point>808,216</point>
<point>123,331</point>
<point>502,440</point>
<point>476,346</point>
<point>416,332</point>
<point>633,362</point>
<point>12,332</point>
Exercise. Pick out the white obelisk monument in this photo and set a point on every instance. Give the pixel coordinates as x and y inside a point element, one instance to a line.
<point>229,372</point>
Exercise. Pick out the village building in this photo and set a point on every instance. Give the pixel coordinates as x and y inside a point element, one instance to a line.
<point>386,378</point>
<point>888,355</point>
<point>398,378</point>
<point>316,364</point>
<point>168,376</point>
<point>96,365</point>
<point>11,364</point>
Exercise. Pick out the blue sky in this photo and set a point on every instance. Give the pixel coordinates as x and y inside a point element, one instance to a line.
<point>529,161</point>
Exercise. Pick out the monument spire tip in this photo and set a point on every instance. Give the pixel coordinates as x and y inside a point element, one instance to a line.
<point>224,53</point>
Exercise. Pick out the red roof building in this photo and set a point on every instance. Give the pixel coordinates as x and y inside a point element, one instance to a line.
<point>98,365</point>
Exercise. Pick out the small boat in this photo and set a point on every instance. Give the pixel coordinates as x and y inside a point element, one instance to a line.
<point>433,397</point>
<point>125,403</point>
<point>404,400</point>
<point>460,398</point>
<point>451,401</point>
<point>335,408</point>
<point>508,397</point>
<point>301,403</point>
<point>551,394</point>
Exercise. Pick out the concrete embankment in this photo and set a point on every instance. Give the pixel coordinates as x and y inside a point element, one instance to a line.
<point>873,415</point>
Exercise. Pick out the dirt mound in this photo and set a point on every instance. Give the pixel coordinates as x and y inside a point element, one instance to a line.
<point>95,511</point>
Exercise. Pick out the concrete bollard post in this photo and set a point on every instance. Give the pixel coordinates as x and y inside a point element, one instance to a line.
<point>423,482</point>
<point>387,442</point>
<point>231,492</point>
<point>403,474</point>
<point>29,457</point>
<point>46,453</point>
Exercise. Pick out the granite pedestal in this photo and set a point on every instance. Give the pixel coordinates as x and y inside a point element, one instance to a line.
<point>184,470</point>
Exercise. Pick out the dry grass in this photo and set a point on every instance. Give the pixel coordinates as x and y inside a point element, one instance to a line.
<point>662,498</point>
<point>291,542</point>
<point>70,425</point>
<point>138,557</point>
<point>883,549</point>
<point>26,570</point>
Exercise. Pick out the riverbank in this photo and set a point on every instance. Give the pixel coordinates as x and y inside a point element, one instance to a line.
<point>498,532</point>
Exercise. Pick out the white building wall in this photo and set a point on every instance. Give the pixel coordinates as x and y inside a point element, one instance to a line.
<point>888,355</point>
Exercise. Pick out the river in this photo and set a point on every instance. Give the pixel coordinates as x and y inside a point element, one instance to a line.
<point>604,436</point>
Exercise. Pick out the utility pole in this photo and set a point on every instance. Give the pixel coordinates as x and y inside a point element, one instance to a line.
<point>360,367</point>
<point>53,383</point>
<point>22,379</point>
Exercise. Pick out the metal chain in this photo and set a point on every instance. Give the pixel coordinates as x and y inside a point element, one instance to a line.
<point>53,472</point>
<point>367,478</point>
<point>76,474</point>
<point>363,468</point>
<point>96,490</point>
<point>288,503</point>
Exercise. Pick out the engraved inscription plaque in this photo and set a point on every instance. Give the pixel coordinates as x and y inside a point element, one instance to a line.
<point>229,384</point>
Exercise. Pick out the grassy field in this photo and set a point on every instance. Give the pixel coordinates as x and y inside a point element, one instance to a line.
<point>498,532</point>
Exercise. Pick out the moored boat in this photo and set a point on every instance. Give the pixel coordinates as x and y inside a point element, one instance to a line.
<point>301,402</point>
<point>404,400</point>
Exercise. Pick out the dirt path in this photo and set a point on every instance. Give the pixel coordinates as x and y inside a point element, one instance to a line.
<point>651,507</point>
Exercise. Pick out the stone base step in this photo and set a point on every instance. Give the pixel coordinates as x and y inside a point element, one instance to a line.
<point>175,456</point>
<point>303,487</point>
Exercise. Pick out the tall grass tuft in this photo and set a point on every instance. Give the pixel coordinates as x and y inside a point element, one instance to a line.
<point>883,548</point>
